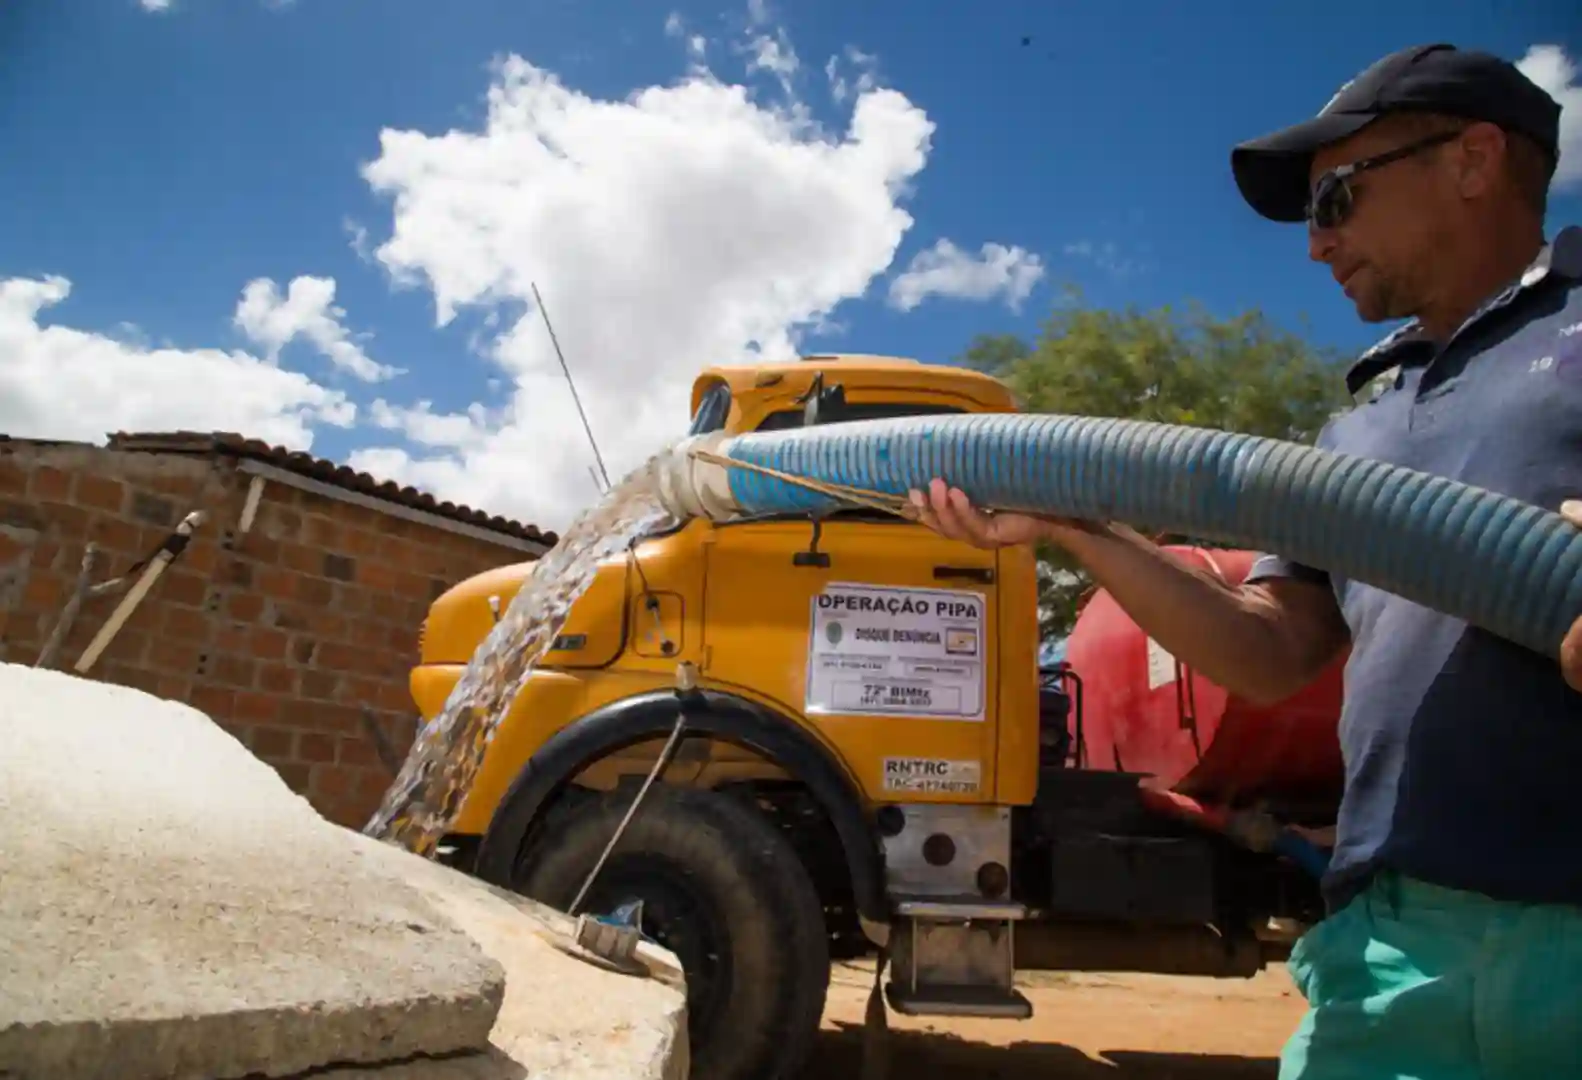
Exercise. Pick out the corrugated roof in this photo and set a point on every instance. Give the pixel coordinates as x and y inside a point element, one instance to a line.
<point>321,469</point>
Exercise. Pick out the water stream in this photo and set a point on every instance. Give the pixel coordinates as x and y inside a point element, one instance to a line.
<point>445,757</point>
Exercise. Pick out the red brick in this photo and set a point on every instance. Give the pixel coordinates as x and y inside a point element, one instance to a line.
<point>284,521</point>
<point>183,487</point>
<point>234,671</point>
<point>377,575</point>
<point>361,691</point>
<point>229,637</point>
<point>397,551</point>
<point>274,744</point>
<point>100,492</point>
<point>277,679</point>
<point>173,687</point>
<point>295,775</point>
<point>135,677</point>
<point>314,747</point>
<point>259,547</point>
<point>13,477</point>
<point>213,700</point>
<point>276,583</point>
<point>324,716</point>
<point>372,785</point>
<point>128,646</point>
<point>328,624</point>
<point>368,634</point>
<point>255,708</point>
<point>390,608</point>
<point>395,695</point>
<point>265,643</point>
<point>301,558</point>
<point>184,587</point>
<point>320,685</point>
<point>350,751</point>
<point>43,592</point>
<point>246,607</point>
<point>118,536</point>
<point>167,654</point>
<point>47,555</point>
<point>202,558</point>
<point>359,542</point>
<point>321,532</point>
<point>413,586</point>
<point>315,591</point>
<point>67,521</point>
<point>338,656</point>
<point>51,484</point>
<point>334,780</point>
<point>188,624</point>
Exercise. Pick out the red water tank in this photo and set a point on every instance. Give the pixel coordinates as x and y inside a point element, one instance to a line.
<point>1142,711</point>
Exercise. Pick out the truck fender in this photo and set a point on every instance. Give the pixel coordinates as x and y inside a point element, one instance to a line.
<point>721,716</point>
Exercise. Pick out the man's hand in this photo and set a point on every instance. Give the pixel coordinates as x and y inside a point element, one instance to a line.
<point>948,512</point>
<point>1571,647</point>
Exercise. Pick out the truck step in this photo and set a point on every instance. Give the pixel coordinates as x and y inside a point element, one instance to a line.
<point>959,909</point>
<point>945,1000</point>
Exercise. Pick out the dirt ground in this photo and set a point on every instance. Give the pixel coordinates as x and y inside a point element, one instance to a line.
<point>1084,1027</point>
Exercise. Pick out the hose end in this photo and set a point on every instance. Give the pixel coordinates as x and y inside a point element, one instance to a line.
<point>691,488</point>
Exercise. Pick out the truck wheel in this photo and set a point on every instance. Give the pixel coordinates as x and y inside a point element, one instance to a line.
<point>723,890</point>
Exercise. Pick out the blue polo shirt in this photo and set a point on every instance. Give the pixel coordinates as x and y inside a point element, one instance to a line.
<point>1463,752</point>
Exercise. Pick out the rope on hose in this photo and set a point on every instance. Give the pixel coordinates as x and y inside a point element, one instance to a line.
<point>874,500</point>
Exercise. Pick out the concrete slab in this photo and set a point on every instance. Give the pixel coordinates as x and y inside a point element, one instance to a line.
<point>562,1017</point>
<point>170,909</point>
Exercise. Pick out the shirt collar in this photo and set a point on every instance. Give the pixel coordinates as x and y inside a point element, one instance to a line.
<point>1561,257</point>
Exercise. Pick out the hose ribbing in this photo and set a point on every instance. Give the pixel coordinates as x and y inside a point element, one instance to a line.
<point>1506,566</point>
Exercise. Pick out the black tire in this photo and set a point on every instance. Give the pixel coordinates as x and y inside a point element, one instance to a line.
<point>724,891</point>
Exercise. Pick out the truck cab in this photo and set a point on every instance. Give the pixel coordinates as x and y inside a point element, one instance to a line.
<point>872,757</point>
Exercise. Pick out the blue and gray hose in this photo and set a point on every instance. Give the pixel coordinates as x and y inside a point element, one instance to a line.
<point>1506,566</point>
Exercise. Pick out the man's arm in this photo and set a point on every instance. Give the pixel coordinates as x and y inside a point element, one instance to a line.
<point>1263,641</point>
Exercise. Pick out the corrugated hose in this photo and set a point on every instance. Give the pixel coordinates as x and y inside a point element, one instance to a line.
<point>1509,567</point>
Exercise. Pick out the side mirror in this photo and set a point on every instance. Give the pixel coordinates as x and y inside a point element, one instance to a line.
<point>823,404</point>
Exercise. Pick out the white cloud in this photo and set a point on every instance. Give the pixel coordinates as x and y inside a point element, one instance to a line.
<point>774,54</point>
<point>307,310</point>
<point>697,45</point>
<point>154,5</point>
<point>865,65</point>
<point>679,226</point>
<point>996,271</point>
<point>1107,256</point>
<point>61,383</point>
<point>1556,73</point>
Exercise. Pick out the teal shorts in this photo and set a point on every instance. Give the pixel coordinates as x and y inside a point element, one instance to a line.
<point>1412,981</point>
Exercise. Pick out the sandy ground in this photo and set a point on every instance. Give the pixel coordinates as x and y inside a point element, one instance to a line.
<point>1084,1027</point>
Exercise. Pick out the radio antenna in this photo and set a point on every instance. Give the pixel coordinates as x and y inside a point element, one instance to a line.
<point>598,457</point>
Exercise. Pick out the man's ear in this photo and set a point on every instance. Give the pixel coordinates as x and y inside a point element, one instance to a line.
<point>1479,155</point>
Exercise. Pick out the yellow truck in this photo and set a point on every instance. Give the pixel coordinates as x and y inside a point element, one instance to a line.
<point>818,805</point>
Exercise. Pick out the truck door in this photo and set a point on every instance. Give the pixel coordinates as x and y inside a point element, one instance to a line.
<point>883,638</point>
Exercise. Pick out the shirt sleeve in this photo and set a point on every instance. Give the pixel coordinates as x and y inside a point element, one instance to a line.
<point>1271,565</point>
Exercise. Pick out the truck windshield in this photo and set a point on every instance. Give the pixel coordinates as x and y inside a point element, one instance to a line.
<point>877,410</point>
<point>712,410</point>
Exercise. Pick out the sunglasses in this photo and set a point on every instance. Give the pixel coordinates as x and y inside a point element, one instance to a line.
<point>1334,197</point>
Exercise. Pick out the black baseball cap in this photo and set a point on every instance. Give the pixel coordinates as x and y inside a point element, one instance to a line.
<point>1272,171</point>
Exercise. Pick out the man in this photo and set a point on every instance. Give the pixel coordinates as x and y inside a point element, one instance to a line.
<point>1453,943</point>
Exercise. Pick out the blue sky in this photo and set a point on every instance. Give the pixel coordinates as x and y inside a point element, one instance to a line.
<point>185,190</point>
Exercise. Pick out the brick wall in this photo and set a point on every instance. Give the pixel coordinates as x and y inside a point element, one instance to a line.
<point>282,634</point>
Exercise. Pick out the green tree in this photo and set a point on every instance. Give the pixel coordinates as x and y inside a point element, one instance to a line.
<point>1238,374</point>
